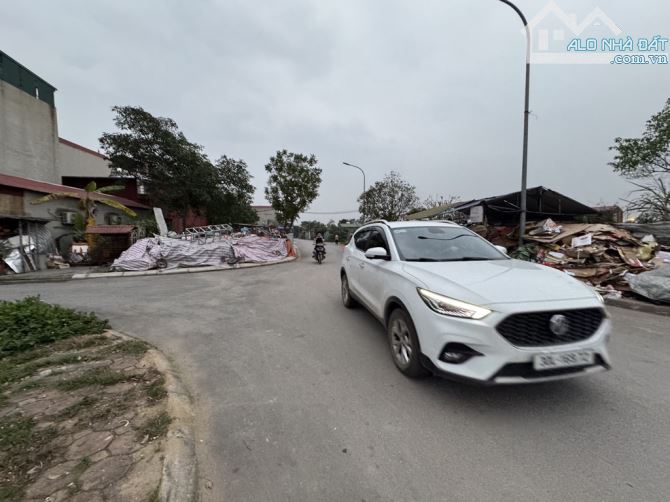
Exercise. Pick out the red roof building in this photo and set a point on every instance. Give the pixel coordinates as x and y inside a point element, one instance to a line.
<point>7,180</point>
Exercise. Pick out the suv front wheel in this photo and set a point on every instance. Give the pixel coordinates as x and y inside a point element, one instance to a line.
<point>404,344</point>
<point>347,300</point>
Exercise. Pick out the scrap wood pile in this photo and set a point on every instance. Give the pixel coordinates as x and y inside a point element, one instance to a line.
<point>168,253</point>
<point>609,258</point>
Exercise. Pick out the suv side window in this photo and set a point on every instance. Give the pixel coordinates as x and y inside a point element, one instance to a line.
<point>361,239</point>
<point>377,240</point>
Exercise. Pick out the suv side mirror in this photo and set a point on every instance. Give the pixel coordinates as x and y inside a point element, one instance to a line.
<point>376,254</point>
<point>502,249</point>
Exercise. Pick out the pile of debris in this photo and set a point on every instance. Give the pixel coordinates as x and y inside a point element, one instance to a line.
<point>602,255</point>
<point>168,253</point>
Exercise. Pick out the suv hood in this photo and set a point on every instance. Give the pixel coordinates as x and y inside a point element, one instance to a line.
<point>497,281</point>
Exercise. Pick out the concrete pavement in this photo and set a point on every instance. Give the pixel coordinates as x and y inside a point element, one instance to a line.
<point>299,400</point>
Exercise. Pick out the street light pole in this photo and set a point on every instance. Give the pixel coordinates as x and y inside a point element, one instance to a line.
<point>526,112</point>
<point>361,170</point>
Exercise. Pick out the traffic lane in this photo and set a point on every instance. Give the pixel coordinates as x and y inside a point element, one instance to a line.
<point>600,430</point>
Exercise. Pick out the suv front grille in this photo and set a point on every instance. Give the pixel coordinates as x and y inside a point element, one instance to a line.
<point>533,329</point>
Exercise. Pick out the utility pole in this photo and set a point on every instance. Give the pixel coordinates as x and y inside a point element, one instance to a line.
<point>526,112</point>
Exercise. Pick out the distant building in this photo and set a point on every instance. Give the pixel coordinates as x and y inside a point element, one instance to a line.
<point>266,215</point>
<point>541,203</point>
<point>28,123</point>
<point>17,195</point>
<point>78,161</point>
<point>610,214</point>
<point>29,143</point>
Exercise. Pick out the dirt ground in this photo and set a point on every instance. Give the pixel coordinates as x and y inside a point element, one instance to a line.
<point>82,419</point>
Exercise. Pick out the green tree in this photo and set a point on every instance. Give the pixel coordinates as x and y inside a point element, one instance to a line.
<point>292,185</point>
<point>312,228</point>
<point>388,199</point>
<point>645,162</point>
<point>176,173</point>
<point>440,200</point>
<point>232,201</point>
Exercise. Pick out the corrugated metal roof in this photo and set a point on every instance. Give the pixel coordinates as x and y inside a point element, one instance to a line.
<point>45,187</point>
<point>109,229</point>
<point>430,213</point>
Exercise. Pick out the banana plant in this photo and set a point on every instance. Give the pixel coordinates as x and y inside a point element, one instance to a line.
<point>92,195</point>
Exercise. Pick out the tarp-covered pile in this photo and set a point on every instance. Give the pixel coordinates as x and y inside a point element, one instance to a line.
<point>607,257</point>
<point>164,252</point>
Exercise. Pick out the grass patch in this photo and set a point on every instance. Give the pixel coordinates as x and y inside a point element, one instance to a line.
<point>26,357</point>
<point>22,446</point>
<point>155,389</point>
<point>76,408</point>
<point>155,427</point>
<point>95,376</point>
<point>12,369</point>
<point>83,464</point>
<point>35,384</point>
<point>29,323</point>
<point>3,402</point>
<point>16,433</point>
<point>154,495</point>
<point>81,342</point>
<point>130,347</point>
<point>10,493</point>
<point>77,471</point>
<point>112,406</point>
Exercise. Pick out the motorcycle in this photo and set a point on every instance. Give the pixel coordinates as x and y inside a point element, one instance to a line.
<point>319,253</point>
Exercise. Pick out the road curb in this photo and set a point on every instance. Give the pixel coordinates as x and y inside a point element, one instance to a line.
<point>179,478</point>
<point>189,270</point>
<point>640,306</point>
<point>35,280</point>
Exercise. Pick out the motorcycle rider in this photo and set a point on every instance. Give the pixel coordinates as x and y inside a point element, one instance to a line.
<point>318,240</point>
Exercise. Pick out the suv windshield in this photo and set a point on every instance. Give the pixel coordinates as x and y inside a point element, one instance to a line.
<point>443,244</point>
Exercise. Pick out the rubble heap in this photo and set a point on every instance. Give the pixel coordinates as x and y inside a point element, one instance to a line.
<point>600,254</point>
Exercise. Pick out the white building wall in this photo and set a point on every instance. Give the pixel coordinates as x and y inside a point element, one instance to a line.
<point>73,161</point>
<point>28,135</point>
<point>266,215</point>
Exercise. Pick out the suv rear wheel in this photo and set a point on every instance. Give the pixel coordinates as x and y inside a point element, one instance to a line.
<point>404,344</point>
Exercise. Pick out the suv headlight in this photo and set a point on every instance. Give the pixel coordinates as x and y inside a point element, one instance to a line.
<point>449,306</point>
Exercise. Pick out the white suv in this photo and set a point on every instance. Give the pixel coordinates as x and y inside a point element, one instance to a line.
<point>457,306</point>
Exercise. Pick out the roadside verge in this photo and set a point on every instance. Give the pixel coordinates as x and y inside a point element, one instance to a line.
<point>179,475</point>
<point>189,270</point>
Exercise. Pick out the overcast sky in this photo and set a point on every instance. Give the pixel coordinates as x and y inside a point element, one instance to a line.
<point>430,88</point>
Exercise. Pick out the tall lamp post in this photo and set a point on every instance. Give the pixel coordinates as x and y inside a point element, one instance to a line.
<point>526,112</point>
<point>360,169</point>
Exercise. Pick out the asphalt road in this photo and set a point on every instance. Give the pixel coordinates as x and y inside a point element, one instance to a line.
<point>299,400</point>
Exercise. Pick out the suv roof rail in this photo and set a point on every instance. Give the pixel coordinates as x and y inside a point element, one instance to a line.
<point>376,221</point>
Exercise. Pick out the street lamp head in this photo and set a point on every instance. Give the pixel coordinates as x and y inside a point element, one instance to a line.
<point>360,169</point>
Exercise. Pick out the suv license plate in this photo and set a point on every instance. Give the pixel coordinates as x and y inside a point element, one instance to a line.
<point>550,361</point>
